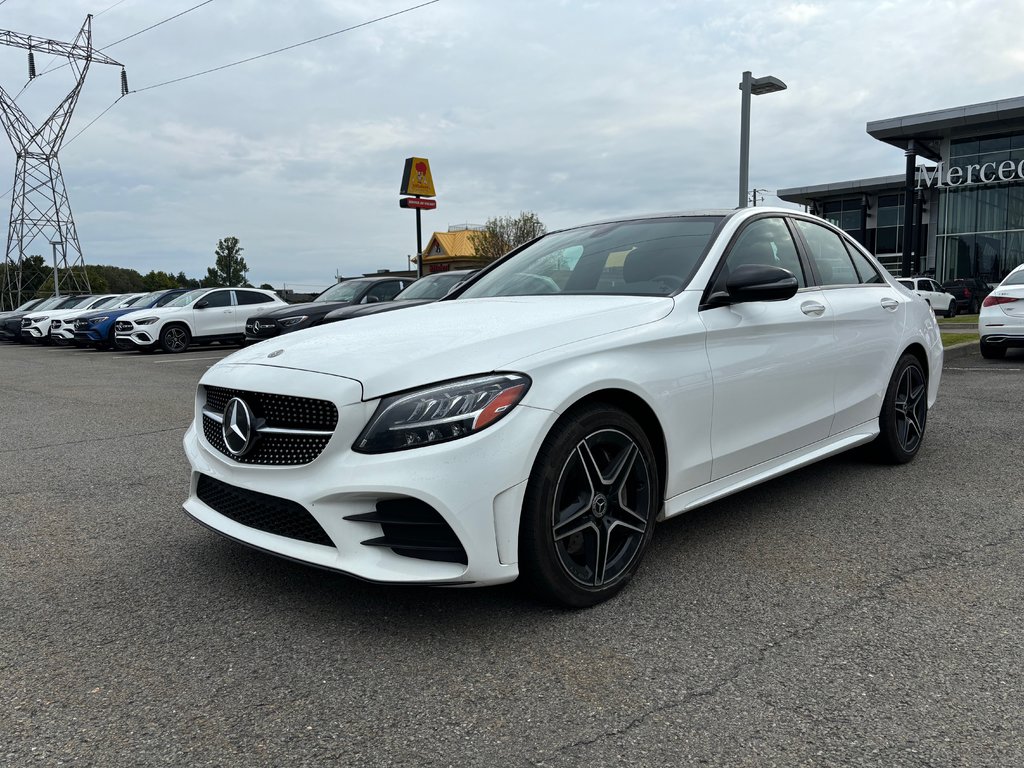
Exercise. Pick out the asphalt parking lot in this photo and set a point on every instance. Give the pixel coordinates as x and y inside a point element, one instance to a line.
<point>847,614</point>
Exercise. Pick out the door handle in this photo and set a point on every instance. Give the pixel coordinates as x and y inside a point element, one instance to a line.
<point>812,309</point>
<point>891,304</point>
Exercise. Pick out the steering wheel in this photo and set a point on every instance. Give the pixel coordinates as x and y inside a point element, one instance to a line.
<point>674,282</point>
<point>530,283</point>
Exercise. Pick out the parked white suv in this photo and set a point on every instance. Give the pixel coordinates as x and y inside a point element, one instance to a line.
<point>62,325</point>
<point>37,326</point>
<point>938,298</point>
<point>200,316</point>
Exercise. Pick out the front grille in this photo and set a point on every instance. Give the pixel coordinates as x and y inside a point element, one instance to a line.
<point>261,511</point>
<point>123,325</point>
<point>274,411</point>
<point>26,323</point>
<point>413,528</point>
<point>262,328</point>
<point>81,325</point>
<point>55,324</point>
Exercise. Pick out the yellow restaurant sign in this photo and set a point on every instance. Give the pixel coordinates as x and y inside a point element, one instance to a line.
<point>416,180</point>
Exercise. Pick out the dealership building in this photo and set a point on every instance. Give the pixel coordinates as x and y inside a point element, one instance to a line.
<point>956,211</point>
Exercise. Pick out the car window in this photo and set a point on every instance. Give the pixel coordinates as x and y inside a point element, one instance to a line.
<point>935,286</point>
<point>764,242</point>
<point>647,257</point>
<point>218,299</point>
<point>828,254</point>
<point>865,269</point>
<point>346,291</point>
<point>252,297</point>
<point>384,291</point>
<point>1014,278</point>
<point>908,284</point>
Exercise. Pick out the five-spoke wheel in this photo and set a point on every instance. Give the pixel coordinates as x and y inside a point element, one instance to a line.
<point>904,412</point>
<point>175,338</point>
<point>590,508</point>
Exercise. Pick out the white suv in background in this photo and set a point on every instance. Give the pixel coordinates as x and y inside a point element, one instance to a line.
<point>37,327</point>
<point>199,316</point>
<point>62,327</point>
<point>938,298</point>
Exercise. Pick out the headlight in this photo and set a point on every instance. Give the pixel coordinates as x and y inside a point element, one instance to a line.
<point>31,320</point>
<point>441,412</point>
<point>97,320</point>
<point>145,320</point>
<point>288,322</point>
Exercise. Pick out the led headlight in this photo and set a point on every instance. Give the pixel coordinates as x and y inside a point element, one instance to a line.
<point>145,321</point>
<point>97,320</point>
<point>288,322</point>
<point>441,412</point>
<point>31,320</point>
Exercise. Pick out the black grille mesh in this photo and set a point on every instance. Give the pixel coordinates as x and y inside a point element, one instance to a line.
<point>261,511</point>
<point>282,411</point>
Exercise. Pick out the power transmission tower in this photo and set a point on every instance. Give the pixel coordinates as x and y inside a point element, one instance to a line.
<point>39,199</point>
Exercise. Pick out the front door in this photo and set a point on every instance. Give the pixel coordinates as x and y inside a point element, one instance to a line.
<point>771,361</point>
<point>217,316</point>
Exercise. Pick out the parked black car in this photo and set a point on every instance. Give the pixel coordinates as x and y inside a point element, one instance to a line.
<point>423,291</point>
<point>358,291</point>
<point>969,293</point>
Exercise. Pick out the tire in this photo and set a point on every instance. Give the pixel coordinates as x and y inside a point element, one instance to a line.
<point>973,309</point>
<point>590,508</point>
<point>951,309</point>
<point>175,338</point>
<point>992,351</point>
<point>904,413</point>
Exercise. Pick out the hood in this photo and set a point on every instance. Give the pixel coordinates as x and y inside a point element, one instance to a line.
<point>111,313</point>
<point>309,308</point>
<point>160,312</point>
<point>392,351</point>
<point>362,310</point>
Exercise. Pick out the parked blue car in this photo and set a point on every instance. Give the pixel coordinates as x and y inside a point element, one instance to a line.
<point>97,328</point>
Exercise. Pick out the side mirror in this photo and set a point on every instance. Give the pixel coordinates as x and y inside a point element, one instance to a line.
<point>372,299</point>
<point>756,282</point>
<point>202,304</point>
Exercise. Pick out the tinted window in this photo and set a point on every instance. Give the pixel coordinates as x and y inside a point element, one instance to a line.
<point>218,299</point>
<point>765,242</point>
<point>346,291</point>
<point>865,269</point>
<point>909,284</point>
<point>384,291</point>
<point>251,297</point>
<point>828,254</point>
<point>1016,278</point>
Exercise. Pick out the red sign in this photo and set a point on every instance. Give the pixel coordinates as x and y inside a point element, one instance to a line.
<point>422,203</point>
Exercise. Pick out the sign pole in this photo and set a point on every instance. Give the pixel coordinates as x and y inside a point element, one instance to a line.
<point>419,246</point>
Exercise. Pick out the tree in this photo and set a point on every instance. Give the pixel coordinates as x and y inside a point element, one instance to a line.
<point>266,286</point>
<point>230,268</point>
<point>503,233</point>
<point>157,280</point>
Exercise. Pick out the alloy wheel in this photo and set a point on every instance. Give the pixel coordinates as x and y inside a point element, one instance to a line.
<point>177,339</point>
<point>601,508</point>
<point>911,408</point>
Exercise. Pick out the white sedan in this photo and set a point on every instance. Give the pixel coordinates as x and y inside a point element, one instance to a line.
<point>541,419</point>
<point>1001,320</point>
<point>198,317</point>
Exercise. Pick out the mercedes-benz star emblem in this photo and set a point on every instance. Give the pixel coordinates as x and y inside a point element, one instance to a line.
<point>237,427</point>
<point>256,326</point>
<point>600,505</point>
<point>275,353</point>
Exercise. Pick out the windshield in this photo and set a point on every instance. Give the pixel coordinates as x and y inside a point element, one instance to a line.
<point>74,301</point>
<point>432,286</point>
<point>1014,278</point>
<point>346,291</point>
<point>107,302</point>
<point>130,302</point>
<point>29,304</point>
<point>50,303</point>
<point>187,298</point>
<point>647,257</point>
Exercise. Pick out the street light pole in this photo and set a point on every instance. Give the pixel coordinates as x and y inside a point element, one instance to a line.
<point>751,86</point>
<point>56,281</point>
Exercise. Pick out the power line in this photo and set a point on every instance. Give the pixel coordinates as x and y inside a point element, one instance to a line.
<point>109,8</point>
<point>286,48</point>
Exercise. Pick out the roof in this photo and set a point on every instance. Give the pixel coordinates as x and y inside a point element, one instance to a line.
<point>928,128</point>
<point>453,244</point>
<point>807,195</point>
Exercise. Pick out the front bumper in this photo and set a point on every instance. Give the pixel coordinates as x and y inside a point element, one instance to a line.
<point>137,337</point>
<point>476,484</point>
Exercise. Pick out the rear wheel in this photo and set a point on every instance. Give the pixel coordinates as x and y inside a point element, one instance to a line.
<point>951,309</point>
<point>904,413</point>
<point>973,309</point>
<point>992,351</point>
<point>175,339</point>
<point>590,507</point>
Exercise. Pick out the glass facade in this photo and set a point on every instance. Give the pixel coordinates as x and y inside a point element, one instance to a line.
<point>980,229</point>
<point>844,214</point>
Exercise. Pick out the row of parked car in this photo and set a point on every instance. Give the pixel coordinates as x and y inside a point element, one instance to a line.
<point>965,294</point>
<point>174,320</point>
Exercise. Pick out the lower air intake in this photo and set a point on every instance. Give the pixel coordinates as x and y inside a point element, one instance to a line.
<point>414,529</point>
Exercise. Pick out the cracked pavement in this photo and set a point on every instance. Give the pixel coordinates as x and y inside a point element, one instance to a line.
<point>846,614</point>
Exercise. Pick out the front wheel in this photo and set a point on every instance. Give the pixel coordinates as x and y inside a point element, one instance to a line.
<point>904,413</point>
<point>590,507</point>
<point>175,338</point>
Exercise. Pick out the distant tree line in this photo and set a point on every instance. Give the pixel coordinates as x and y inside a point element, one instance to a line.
<point>229,270</point>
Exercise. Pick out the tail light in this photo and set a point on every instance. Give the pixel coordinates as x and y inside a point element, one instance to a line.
<point>967,293</point>
<point>992,301</point>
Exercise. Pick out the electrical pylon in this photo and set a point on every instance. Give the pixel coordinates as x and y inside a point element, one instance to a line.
<point>39,199</point>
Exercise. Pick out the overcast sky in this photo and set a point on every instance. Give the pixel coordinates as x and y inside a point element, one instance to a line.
<point>574,110</point>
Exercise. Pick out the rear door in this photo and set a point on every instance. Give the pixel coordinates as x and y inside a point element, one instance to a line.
<point>772,362</point>
<point>869,317</point>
